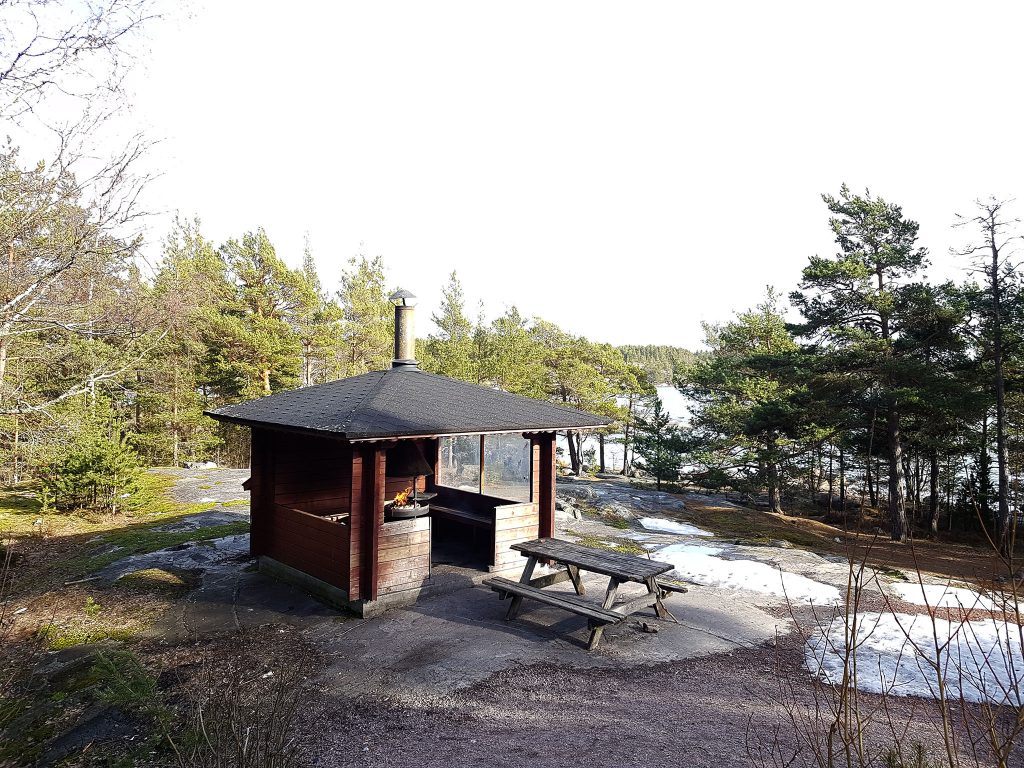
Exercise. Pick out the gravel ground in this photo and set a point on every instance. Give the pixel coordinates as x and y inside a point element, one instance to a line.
<point>713,711</point>
<point>448,683</point>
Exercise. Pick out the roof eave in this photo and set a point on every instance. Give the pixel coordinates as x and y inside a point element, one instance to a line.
<point>367,438</point>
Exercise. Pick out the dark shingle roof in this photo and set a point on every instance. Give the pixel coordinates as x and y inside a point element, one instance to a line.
<point>403,402</point>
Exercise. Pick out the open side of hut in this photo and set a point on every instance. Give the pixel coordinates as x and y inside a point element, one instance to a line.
<point>359,485</point>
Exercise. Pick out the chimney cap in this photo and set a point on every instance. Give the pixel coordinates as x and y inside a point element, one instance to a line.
<point>402,296</point>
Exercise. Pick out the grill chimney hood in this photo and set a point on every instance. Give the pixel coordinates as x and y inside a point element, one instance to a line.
<point>405,335</point>
<point>405,459</point>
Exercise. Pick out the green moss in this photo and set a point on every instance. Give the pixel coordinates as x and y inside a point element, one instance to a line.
<point>19,509</point>
<point>755,526</point>
<point>616,520</point>
<point>154,500</point>
<point>159,580</point>
<point>142,539</point>
<point>107,678</point>
<point>606,515</point>
<point>235,503</point>
<point>897,575</point>
<point>58,638</point>
<point>625,548</point>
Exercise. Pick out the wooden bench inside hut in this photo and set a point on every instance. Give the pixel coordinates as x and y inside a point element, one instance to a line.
<point>361,487</point>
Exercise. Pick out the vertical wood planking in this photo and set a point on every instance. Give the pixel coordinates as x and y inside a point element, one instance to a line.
<point>372,516</point>
<point>261,490</point>
<point>356,526</point>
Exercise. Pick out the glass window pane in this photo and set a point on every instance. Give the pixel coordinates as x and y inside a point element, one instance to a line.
<point>459,463</point>
<point>507,467</point>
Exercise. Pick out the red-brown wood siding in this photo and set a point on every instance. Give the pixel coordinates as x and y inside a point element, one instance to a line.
<point>295,480</point>
<point>372,517</point>
<point>356,525</point>
<point>312,474</point>
<point>310,544</point>
<point>261,491</point>
<point>544,481</point>
<point>404,558</point>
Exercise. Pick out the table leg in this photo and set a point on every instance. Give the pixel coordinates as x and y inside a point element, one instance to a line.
<point>513,609</point>
<point>609,601</point>
<point>659,607</point>
<point>577,582</point>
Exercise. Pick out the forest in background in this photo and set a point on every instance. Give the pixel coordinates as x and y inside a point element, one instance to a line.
<point>890,392</point>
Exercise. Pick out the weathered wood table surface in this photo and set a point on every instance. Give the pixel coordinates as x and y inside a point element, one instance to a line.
<point>619,568</point>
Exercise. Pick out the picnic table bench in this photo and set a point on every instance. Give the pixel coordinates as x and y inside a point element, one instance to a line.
<point>619,568</point>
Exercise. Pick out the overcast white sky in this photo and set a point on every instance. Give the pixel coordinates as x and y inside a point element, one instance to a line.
<point>625,170</point>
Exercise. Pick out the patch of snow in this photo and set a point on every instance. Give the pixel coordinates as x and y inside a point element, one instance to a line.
<point>941,596</point>
<point>980,660</point>
<point>206,500</point>
<point>671,526</point>
<point>700,564</point>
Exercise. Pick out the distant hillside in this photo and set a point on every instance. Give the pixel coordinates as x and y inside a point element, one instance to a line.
<point>660,360</point>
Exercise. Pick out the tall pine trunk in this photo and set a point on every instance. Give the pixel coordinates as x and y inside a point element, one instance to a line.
<point>574,455</point>
<point>984,474</point>
<point>897,503</point>
<point>842,479</point>
<point>933,491</point>
<point>774,488</point>
<point>1002,454</point>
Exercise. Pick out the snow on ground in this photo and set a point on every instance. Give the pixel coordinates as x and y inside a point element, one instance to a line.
<point>941,596</point>
<point>671,526</point>
<point>896,653</point>
<point>698,563</point>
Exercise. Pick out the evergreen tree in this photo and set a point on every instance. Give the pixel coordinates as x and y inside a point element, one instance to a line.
<point>745,393</point>
<point>660,444</point>
<point>451,348</point>
<point>368,322</point>
<point>855,302</point>
<point>253,349</point>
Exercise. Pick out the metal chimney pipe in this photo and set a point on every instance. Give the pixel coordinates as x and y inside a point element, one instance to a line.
<point>405,334</point>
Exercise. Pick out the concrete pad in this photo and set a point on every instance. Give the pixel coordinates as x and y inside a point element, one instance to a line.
<point>456,639</point>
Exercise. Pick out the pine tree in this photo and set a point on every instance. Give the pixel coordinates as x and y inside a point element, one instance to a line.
<point>368,322</point>
<point>451,348</point>
<point>855,302</point>
<point>660,444</point>
<point>744,393</point>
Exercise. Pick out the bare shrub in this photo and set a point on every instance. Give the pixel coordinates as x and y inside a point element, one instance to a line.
<point>238,709</point>
<point>964,707</point>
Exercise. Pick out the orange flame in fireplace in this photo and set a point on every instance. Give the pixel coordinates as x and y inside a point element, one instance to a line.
<point>402,498</point>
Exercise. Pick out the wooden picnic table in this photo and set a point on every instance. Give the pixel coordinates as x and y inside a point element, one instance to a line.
<point>619,568</point>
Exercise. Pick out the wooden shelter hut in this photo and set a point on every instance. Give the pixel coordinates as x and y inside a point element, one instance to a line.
<point>358,483</point>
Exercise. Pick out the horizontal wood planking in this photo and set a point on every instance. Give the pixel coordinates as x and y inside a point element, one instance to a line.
<point>398,527</point>
<point>289,516</point>
<point>519,521</point>
<point>398,581</point>
<point>310,544</point>
<point>504,511</point>
<point>418,552</point>
<point>515,535</point>
<point>319,548</point>
<point>317,506</point>
<point>324,573</point>
<point>404,539</point>
<point>509,556</point>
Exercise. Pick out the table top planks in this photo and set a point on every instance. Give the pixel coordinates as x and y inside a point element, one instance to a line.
<point>614,564</point>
